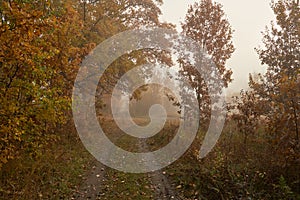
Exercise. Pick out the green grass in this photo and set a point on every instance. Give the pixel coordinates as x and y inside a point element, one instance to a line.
<point>119,185</point>
<point>52,175</point>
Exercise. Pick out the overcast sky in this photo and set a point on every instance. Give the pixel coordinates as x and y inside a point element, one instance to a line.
<point>248,18</point>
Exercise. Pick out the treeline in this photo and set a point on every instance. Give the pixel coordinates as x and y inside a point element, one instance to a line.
<point>42,44</point>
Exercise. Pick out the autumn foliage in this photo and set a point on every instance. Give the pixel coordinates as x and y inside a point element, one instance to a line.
<point>35,54</point>
<point>279,88</point>
<point>206,24</point>
<point>43,43</point>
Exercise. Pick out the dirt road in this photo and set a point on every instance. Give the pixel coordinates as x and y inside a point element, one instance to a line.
<point>102,182</point>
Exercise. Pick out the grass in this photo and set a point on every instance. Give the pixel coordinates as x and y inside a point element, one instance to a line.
<point>231,171</point>
<point>119,185</point>
<point>52,175</point>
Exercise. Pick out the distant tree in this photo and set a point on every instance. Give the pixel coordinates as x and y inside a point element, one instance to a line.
<point>246,113</point>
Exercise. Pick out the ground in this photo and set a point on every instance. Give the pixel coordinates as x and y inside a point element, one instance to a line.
<point>102,182</point>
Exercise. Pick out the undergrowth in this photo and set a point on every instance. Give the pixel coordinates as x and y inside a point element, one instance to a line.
<point>234,170</point>
<point>52,175</point>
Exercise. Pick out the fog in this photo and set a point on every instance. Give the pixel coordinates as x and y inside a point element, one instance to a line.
<point>248,19</point>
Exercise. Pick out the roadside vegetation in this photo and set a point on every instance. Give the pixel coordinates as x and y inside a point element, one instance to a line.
<point>53,174</point>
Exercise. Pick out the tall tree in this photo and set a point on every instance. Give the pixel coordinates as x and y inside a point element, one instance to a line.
<point>205,23</point>
<point>279,87</point>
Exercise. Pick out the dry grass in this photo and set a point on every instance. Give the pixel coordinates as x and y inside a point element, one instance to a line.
<point>52,175</point>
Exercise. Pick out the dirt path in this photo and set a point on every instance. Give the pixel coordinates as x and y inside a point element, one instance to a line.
<point>162,187</point>
<point>99,182</point>
<point>102,182</point>
<point>91,183</point>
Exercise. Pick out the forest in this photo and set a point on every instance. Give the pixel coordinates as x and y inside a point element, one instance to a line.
<point>43,45</point>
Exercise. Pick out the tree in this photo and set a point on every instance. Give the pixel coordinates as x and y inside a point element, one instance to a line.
<point>279,87</point>
<point>206,24</point>
<point>246,113</point>
<point>37,53</point>
<point>103,19</point>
